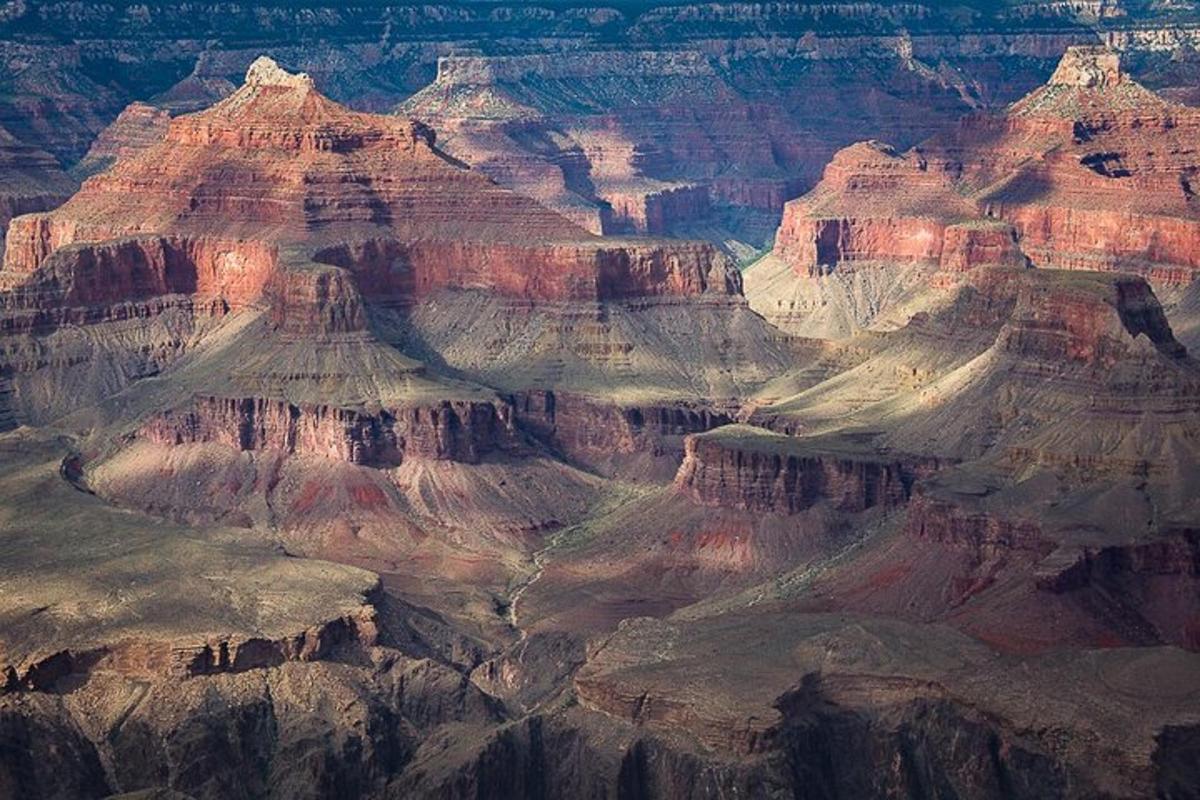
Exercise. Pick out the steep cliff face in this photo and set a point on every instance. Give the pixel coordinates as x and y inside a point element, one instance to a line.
<point>986,537</point>
<point>451,430</point>
<point>603,270</point>
<point>1140,590</point>
<point>291,163</point>
<point>955,556</point>
<point>750,469</point>
<point>39,263</point>
<point>1090,172</point>
<point>369,727</point>
<point>8,419</point>
<point>604,436</point>
<point>827,727</point>
<point>1067,318</point>
<point>319,300</point>
<point>158,660</point>
<point>1174,555</point>
<point>280,200</point>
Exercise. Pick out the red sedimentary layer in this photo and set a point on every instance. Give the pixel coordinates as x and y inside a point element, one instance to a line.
<point>1174,554</point>
<point>788,478</point>
<point>1062,318</point>
<point>1092,171</point>
<point>399,271</point>
<point>1153,580</point>
<point>321,299</point>
<point>136,267</point>
<point>450,430</point>
<point>270,169</point>
<point>136,128</point>
<point>30,181</point>
<point>655,212</point>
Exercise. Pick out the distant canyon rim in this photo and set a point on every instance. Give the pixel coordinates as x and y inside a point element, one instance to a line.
<point>631,400</point>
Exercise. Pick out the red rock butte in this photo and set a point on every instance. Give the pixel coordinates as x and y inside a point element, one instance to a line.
<point>1090,171</point>
<point>277,186</point>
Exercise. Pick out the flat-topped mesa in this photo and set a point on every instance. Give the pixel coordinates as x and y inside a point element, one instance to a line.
<point>751,469</point>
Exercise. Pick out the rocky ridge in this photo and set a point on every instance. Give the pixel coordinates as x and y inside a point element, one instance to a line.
<point>1088,172</point>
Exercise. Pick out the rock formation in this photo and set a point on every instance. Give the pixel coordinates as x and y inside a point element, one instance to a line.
<point>278,198</point>
<point>620,142</point>
<point>138,127</point>
<point>1090,171</point>
<point>342,459</point>
<point>30,181</point>
<point>753,470</point>
<point>367,172</point>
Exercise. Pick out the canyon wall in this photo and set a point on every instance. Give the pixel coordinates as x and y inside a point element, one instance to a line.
<point>762,472</point>
<point>449,430</point>
<point>597,434</point>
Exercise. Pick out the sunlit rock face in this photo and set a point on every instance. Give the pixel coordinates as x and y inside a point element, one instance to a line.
<point>1091,171</point>
<point>389,446</point>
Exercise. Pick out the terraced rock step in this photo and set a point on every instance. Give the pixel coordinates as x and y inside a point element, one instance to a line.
<point>751,469</point>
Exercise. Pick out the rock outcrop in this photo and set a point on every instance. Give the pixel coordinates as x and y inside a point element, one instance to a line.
<point>750,469</point>
<point>163,659</point>
<point>1091,171</point>
<point>362,476</point>
<point>279,200</point>
<point>620,141</point>
<point>30,181</point>
<point>291,164</point>
<point>453,431</point>
<point>138,127</point>
<point>604,437</point>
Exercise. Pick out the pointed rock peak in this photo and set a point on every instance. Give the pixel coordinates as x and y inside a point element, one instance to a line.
<point>1089,68</point>
<point>1090,84</point>
<point>266,72</point>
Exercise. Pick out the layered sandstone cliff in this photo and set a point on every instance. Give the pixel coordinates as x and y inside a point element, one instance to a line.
<point>641,141</point>
<point>30,181</point>
<point>291,164</point>
<point>451,430</point>
<point>604,436</point>
<point>751,469</point>
<point>1091,171</point>
<point>137,127</point>
<point>279,200</point>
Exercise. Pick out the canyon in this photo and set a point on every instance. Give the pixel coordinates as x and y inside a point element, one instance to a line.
<point>641,400</point>
<point>1089,172</point>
